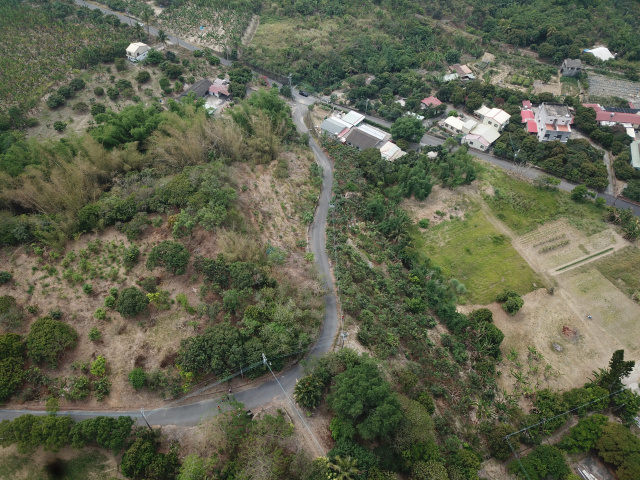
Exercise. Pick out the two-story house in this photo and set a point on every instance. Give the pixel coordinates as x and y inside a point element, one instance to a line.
<point>553,121</point>
<point>494,117</point>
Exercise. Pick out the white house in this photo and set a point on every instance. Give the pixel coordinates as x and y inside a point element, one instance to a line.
<point>494,117</point>
<point>457,125</point>
<point>553,121</point>
<point>138,51</point>
<point>481,137</point>
<point>353,118</point>
<point>390,151</point>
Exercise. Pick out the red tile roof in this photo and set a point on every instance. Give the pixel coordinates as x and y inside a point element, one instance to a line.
<point>224,89</point>
<point>595,106</point>
<point>618,117</point>
<point>526,114</point>
<point>431,101</point>
<point>526,104</point>
<point>531,126</point>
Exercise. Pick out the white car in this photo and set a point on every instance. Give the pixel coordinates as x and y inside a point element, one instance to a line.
<point>141,24</point>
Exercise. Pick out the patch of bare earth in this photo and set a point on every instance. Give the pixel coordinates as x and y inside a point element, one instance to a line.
<point>442,204</point>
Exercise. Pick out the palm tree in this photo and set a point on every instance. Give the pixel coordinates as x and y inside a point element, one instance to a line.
<point>138,32</point>
<point>345,468</point>
<point>146,13</point>
<point>162,37</point>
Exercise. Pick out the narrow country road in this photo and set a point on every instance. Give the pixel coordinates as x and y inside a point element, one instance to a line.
<point>268,389</point>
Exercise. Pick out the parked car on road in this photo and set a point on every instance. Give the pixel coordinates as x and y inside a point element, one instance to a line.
<point>303,93</point>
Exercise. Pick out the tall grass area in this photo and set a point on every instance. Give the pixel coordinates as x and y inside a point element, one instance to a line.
<point>622,268</point>
<point>86,465</point>
<point>473,252</point>
<point>524,206</point>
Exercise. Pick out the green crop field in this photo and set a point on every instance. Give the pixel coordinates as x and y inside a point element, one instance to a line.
<point>476,254</point>
<point>524,206</point>
<point>622,268</point>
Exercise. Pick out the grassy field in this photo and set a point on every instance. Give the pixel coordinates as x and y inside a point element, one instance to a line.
<point>622,268</point>
<point>476,254</point>
<point>523,206</point>
<point>85,465</point>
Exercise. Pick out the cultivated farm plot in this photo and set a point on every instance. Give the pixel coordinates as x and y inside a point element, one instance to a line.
<point>556,244</point>
<point>476,254</point>
<point>36,52</point>
<point>222,27</point>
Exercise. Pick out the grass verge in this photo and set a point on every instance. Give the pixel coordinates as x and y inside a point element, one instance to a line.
<point>584,259</point>
<point>476,254</point>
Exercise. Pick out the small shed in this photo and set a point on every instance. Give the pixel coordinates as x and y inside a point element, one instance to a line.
<point>430,102</point>
<point>200,88</point>
<point>571,67</point>
<point>138,51</point>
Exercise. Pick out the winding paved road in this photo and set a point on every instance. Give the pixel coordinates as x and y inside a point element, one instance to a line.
<point>269,390</point>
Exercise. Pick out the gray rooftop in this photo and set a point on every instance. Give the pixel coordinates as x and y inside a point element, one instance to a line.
<point>331,126</point>
<point>557,109</point>
<point>201,88</point>
<point>573,63</point>
<point>360,139</point>
<point>635,154</point>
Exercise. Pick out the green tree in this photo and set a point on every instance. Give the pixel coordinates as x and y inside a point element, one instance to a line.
<point>363,397</point>
<point>131,302</point>
<point>579,193</point>
<point>512,302</point>
<point>162,37</point>
<point>171,255</point>
<point>308,391</point>
<point>193,467</point>
<point>137,378</point>
<point>146,14</point>
<point>344,468</point>
<point>429,471</point>
<point>407,128</point>
<point>99,366</point>
<point>143,76</point>
<point>49,339</point>
<point>617,444</point>
<point>611,378</point>
<point>141,460</point>
<point>584,435</point>
<point>628,403</point>
<point>545,462</point>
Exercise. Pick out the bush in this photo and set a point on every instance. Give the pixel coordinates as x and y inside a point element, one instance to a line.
<point>55,100</point>
<point>94,334</point>
<point>80,107</point>
<point>59,126</point>
<point>78,388</point>
<point>109,301</point>
<point>87,288</point>
<point>100,313</point>
<point>171,255</point>
<point>11,314</point>
<point>66,91</point>
<point>141,460</point>
<point>131,302</point>
<point>48,339</point>
<point>97,109</point>
<point>99,91</point>
<point>113,93</point>
<point>77,84</point>
<point>143,76</point>
<point>11,364</point>
<point>56,314</point>
<point>198,53</point>
<point>101,388</point>
<point>99,366</point>
<point>121,64</point>
<point>137,378</point>
<point>511,301</point>
<point>424,223</point>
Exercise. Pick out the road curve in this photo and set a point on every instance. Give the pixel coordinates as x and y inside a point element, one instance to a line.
<point>269,389</point>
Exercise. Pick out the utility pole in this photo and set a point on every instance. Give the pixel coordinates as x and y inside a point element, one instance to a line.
<point>145,419</point>
<point>367,107</point>
<point>290,87</point>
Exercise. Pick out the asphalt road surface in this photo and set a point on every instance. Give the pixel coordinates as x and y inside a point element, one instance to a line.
<point>270,389</point>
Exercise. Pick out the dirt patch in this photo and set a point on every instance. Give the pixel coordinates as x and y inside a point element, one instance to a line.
<point>495,470</point>
<point>541,87</point>
<point>443,204</point>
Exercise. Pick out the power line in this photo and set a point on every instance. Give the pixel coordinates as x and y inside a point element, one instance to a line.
<point>524,470</point>
<point>264,360</point>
